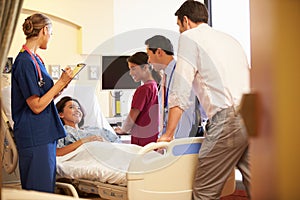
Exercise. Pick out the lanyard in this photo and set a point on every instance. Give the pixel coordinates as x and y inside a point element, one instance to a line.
<point>40,82</point>
<point>169,83</point>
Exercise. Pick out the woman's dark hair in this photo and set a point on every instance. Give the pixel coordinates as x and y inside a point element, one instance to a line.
<point>34,23</point>
<point>61,104</point>
<point>194,10</point>
<point>141,58</point>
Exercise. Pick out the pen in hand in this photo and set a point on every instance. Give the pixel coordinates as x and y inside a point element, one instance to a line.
<point>66,70</point>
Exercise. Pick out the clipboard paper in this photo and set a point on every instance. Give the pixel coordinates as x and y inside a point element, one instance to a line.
<point>78,68</point>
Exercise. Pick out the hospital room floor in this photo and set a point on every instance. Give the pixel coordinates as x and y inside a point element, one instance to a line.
<point>240,192</point>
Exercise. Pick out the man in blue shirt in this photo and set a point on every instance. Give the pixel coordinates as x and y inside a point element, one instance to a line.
<point>160,52</point>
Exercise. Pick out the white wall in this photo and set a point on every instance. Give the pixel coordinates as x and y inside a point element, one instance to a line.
<point>233,17</point>
<point>144,14</point>
<point>78,28</point>
<point>137,20</point>
<point>230,16</point>
<point>94,16</point>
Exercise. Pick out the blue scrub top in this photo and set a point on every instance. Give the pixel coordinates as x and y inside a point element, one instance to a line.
<point>32,129</point>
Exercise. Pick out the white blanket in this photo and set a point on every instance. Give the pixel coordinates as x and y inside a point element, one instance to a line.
<point>99,161</point>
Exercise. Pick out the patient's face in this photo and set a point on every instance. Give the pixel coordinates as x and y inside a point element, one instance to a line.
<point>71,114</point>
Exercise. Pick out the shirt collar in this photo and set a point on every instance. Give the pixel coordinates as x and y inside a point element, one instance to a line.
<point>169,68</point>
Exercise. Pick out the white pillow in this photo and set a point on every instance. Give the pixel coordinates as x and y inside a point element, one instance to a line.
<point>85,94</point>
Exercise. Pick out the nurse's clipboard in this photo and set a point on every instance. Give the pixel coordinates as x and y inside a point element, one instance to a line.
<point>78,68</point>
<point>76,71</point>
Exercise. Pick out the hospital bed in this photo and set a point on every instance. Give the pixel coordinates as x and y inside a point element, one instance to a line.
<point>133,172</point>
<point>145,175</point>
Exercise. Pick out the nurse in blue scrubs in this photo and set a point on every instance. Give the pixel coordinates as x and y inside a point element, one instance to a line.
<point>37,126</point>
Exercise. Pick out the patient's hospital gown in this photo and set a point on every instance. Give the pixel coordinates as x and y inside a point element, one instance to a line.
<point>74,135</point>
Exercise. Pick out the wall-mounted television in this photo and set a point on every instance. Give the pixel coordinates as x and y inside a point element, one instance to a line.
<point>115,74</point>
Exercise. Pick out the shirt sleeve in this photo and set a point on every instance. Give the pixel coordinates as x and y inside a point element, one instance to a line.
<point>26,77</point>
<point>182,90</point>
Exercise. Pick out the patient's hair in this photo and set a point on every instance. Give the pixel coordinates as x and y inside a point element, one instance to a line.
<point>194,10</point>
<point>141,59</point>
<point>34,23</point>
<point>62,104</point>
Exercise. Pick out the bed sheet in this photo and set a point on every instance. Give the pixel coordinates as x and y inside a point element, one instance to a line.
<point>100,161</point>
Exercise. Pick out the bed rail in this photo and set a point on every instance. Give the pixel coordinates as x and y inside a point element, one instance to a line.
<point>169,176</point>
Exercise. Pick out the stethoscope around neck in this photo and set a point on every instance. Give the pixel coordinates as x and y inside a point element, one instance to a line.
<point>41,82</point>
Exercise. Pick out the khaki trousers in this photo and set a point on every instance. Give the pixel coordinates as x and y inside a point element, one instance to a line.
<point>225,146</point>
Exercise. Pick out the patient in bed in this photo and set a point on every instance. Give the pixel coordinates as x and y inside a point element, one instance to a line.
<point>72,115</point>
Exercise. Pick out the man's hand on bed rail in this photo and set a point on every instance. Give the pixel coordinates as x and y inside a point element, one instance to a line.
<point>165,138</point>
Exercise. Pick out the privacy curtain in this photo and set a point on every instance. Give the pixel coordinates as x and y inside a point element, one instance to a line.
<point>9,15</point>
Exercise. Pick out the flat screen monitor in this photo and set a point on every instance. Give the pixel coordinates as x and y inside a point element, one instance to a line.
<point>115,74</point>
